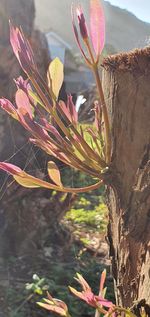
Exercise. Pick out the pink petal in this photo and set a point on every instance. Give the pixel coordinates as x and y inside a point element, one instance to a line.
<point>97,26</point>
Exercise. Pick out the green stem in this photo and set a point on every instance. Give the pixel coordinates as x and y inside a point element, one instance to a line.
<point>94,68</point>
<point>64,129</point>
<point>105,114</point>
<point>126,311</point>
<point>21,305</point>
<point>121,309</point>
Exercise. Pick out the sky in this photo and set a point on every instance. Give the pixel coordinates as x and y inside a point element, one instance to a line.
<point>141,8</point>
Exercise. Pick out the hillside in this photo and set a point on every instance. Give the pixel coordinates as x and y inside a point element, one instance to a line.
<point>124,31</point>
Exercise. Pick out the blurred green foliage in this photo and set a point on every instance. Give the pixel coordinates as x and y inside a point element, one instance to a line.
<point>91,212</point>
<point>56,280</point>
<point>61,275</point>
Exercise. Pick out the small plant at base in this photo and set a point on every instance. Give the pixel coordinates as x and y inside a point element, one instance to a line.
<point>38,285</point>
<point>103,306</point>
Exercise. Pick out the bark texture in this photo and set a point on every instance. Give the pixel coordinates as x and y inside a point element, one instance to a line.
<point>126,82</point>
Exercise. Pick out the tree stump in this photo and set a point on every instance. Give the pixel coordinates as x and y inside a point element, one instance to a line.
<point>126,82</point>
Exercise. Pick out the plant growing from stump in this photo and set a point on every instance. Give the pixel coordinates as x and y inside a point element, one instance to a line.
<point>40,112</point>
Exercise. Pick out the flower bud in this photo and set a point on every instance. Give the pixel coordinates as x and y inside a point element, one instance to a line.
<point>82,23</point>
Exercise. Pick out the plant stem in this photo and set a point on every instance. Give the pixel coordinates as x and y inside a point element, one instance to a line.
<point>121,309</point>
<point>126,311</point>
<point>21,305</point>
<point>94,68</point>
<point>105,114</point>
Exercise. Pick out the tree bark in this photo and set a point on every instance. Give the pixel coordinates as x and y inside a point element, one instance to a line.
<point>126,82</point>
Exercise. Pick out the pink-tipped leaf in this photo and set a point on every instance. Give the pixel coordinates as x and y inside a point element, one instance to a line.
<point>22,102</point>
<point>53,308</point>
<point>22,49</point>
<point>102,281</point>
<point>29,181</point>
<point>9,108</point>
<point>97,26</point>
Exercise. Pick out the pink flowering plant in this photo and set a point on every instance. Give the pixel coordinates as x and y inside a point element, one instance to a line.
<point>54,127</point>
<point>102,306</point>
<point>47,118</point>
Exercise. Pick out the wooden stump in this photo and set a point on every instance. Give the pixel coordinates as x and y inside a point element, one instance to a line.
<point>126,83</point>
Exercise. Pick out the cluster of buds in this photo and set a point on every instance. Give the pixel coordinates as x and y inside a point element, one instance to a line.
<point>40,112</point>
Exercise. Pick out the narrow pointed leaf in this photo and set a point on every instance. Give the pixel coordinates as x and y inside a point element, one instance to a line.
<point>29,181</point>
<point>22,49</point>
<point>6,105</point>
<point>55,76</point>
<point>82,282</point>
<point>53,308</point>
<point>76,293</point>
<point>26,181</point>
<point>54,173</point>
<point>22,102</point>
<point>10,168</point>
<point>102,281</point>
<point>97,26</point>
<point>48,301</point>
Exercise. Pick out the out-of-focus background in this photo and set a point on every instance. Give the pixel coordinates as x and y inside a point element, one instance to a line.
<point>42,232</point>
<point>124,31</point>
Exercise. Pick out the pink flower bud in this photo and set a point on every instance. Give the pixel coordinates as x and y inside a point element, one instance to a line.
<point>82,23</point>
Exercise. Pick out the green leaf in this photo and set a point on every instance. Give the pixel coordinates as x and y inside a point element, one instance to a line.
<point>54,173</point>
<point>26,181</point>
<point>55,76</point>
<point>29,286</point>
